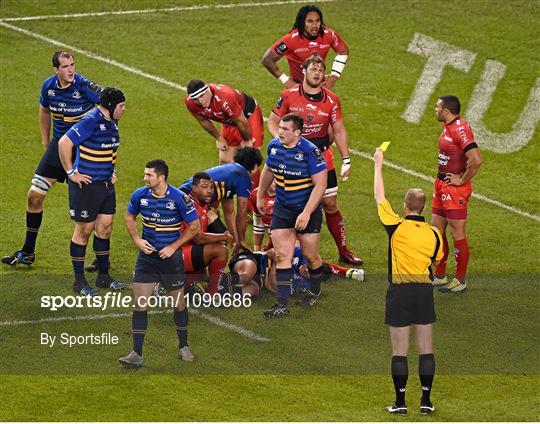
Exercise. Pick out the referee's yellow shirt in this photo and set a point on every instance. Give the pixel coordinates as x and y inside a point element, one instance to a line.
<point>413,245</point>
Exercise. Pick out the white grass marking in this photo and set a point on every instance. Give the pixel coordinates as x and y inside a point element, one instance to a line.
<point>167,9</point>
<point>424,177</point>
<point>365,155</point>
<point>214,320</point>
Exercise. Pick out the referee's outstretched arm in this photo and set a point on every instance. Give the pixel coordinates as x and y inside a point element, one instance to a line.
<point>378,183</point>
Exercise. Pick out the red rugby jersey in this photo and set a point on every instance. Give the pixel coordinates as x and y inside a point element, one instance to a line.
<point>202,211</point>
<point>227,103</point>
<point>268,207</point>
<point>455,140</point>
<point>298,49</point>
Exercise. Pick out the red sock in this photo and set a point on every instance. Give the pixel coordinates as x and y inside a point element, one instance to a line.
<point>255,179</point>
<point>337,269</point>
<point>336,226</point>
<point>440,271</point>
<point>215,269</point>
<point>461,252</point>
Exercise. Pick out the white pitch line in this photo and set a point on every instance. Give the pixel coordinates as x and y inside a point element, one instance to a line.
<point>141,73</point>
<point>214,320</point>
<point>167,9</point>
<point>478,196</point>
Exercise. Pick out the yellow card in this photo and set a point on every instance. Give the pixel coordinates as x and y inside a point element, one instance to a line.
<point>385,145</point>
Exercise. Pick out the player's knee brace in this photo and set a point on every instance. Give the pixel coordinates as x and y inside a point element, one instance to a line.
<point>40,185</point>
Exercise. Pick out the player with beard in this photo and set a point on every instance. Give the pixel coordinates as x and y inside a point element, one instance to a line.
<point>209,247</point>
<point>308,35</point>
<point>321,112</point>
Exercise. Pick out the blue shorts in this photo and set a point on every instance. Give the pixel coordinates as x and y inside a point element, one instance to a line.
<point>283,217</point>
<point>152,269</point>
<point>86,203</point>
<point>50,166</point>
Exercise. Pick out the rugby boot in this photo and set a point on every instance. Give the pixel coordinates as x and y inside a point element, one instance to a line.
<point>426,408</point>
<point>84,289</point>
<point>92,267</point>
<point>225,283</point>
<point>105,281</point>
<point>132,360</point>
<point>277,310</point>
<point>455,286</point>
<point>185,354</point>
<point>309,300</point>
<point>439,281</point>
<point>395,409</point>
<point>356,274</point>
<point>349,257</point>
<point>19,257</point>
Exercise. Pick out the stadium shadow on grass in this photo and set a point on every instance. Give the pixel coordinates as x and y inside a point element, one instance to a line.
<point>489,330</point>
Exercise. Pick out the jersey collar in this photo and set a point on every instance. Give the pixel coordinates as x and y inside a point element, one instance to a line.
<point>418,218</point>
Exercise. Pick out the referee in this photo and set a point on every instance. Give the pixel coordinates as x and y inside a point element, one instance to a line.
<point>413,247</point>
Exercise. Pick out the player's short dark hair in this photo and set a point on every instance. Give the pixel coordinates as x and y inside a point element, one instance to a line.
<point>57,55</point>
<point>298,122</point>
<point>160,166</point>
<point>301,16</point>
<point>451,103</point>
<point>415,200</point>
<point>248,157</point>
<point>194,85</point>
<point>314,59</point>
<point>199,176</point>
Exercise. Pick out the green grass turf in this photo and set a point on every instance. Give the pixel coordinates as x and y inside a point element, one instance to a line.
<point>329,363</point>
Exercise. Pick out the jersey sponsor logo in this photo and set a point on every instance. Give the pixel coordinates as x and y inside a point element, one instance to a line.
<point>463,134</point>
<point>72,212</point>
<point>76,95</point>
<point>144,202</point>
<point>443,159</point>
<point>310,106</point>
<point>62,105</point>
<point>318,155</point>
<point>281,48</point>
<point>96,88</point>
<point>273,151</point>
<point>313,44</point>
<point>51,93</point>
<point>102,127</point>
<point>84,214</point>
<point>447,138</point>
<point>110,145</point>
<point>321,113</point>
<point>155,215</point>
<point>446,197</point>
<point>282,166</point>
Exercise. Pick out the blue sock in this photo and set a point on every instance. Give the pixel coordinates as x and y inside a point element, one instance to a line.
<point>139,323</point>
<point>78,252</point>
<point>181,319</point>
<point>102,249</point>
<point>315,278</point>
<point>283,281</point>
<point>33,222</point>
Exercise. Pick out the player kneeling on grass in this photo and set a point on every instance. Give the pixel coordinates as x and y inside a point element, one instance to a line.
<point>163,209</point>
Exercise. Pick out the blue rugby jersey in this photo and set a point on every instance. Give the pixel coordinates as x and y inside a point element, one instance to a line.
<point>162,216</point>
<point>293,168</point>
<point>229,179</point>
<point>68,105</point>
<point>97,142</point>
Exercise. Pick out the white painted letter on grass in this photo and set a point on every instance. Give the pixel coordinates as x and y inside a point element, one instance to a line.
<point>438,54</point>
<point>522,130</point>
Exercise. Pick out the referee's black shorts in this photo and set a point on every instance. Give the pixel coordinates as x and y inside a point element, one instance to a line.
<point>86,203</point>
<point>283,217</point>
<point>408,304</point>
<point>152,269</point>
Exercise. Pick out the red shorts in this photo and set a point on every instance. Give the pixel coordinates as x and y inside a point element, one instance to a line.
<point>450,201</point>
<point>193,258</point>
<point>255,121</point>
<point>328,155</point>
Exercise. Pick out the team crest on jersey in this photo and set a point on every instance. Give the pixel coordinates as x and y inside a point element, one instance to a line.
<point>299,156</point>
<point>281,48</point>
<point>170,205</point>
<point>51,93</point>
<point>76,95</point>
<point>310,118</point>
<point>144,202</point>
